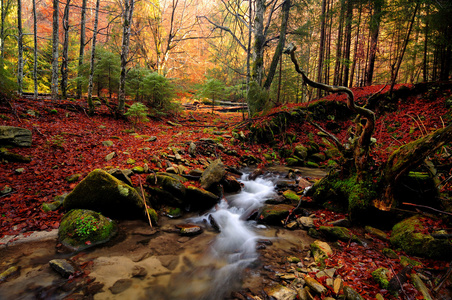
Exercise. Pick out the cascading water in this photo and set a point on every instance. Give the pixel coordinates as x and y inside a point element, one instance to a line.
<point>235,246</point>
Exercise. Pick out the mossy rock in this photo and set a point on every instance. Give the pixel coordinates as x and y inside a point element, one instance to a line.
<point>80,229</point>
<point>13,157</point>
<point>339,233</point>
<point>291,196</point>
<point>301,151</point>
<point>408,236</point>
<point>159,196</point>
<point>318,157</point>
<point>292,161</point>
<point>274,214</point>
<point>102,192</point>
<point>200,199</point>
<point>380,276</point>
<point>168,183</point>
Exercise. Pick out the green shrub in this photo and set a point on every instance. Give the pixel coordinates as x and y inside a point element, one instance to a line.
<point>137,112</point>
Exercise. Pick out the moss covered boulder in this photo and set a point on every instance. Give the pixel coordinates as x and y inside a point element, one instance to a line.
<point>80,229</point>
<point>101,192</point>
<point>339,233</point>
<point>410,236</point>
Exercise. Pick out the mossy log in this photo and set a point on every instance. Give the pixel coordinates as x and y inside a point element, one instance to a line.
<point>407,157</point>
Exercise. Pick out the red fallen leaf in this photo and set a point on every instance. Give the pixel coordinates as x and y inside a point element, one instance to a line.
<point>88,243</point>
<point>72,185</point>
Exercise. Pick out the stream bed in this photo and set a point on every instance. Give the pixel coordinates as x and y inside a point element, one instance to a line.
<point>142,263</point>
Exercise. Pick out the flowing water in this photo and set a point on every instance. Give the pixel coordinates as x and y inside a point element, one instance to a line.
<point>206,266</point>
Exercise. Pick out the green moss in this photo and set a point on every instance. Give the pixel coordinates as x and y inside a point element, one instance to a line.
<point>291,196</point>
<point>406,261</point>
<point>381,277</point>
<point>408,236</point>
<point>123,190</point>
<point>154,215</point>
<point>339,233</point>
<point>81,228</point>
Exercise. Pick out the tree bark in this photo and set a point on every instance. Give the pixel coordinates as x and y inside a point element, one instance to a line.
<point>127,24</point>
<point>35,51</point>
<point>259,40</point>
<point>280,47</point>
<point>321,46</point>
<point>82,47</point>
<point>93,55</point>
<point>64,63</point>
<point>20,50</point>
<point>348,42</point>
<point>54,82</point>
<point>374,32</point>
<point>337,67</point>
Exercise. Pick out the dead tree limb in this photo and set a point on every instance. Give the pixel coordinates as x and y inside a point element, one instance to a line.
<point>363,131</point>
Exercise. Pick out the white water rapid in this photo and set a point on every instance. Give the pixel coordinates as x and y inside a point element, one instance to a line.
<point>234,248</point>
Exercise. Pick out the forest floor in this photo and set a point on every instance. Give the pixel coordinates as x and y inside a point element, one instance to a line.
<point>66,141</point>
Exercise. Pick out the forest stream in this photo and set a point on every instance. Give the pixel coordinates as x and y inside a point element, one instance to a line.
<point>158,263</point>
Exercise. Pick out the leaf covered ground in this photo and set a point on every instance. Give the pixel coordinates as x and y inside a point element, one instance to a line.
<point>66,141</point>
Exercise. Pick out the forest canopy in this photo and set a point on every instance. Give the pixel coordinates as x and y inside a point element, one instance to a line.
<point>47,46</point>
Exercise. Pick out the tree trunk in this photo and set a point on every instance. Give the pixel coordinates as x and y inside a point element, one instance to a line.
<point>355,51</point>
<point>82,47</point>
<point>337,67</point>
<point>64,63</point>
<point>54,82</point>
<point>279,48</point>
<point>404,46</point>
<point>257,72</point>
<point>35,51</point>
<point>348,42</point>
<point>20,50</point>
<point>321,46</point>
<point>374,28</point>
<point>127,24</point>
<point>407,157</point>
<point>93,55</point>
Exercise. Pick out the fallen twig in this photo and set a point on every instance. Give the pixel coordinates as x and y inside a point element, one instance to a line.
<point>144,200</point>
<point>423,206</point>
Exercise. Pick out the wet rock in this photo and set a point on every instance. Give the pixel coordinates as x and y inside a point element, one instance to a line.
<point>280,292</point>
<point>408,235</point>
<point>351,294</point>
<point>192,149</point>
<point>199,198</point>
<point>80,229</point>
<point>101,192</point>
<point>189,229</point>
<point>320,250</point>
<point>107,143</point>
<point>274,214</point>
<point>314,285</point>
<point>306,222</point>
<point>231,184</point>
<point>120,286</point>
<point>63,267</point>
<point>292,225</point>
<point>19,170</point>
<point>15,136</point>
<point>139,272</point>
<point>303,183</point>
<point>212,174</point>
